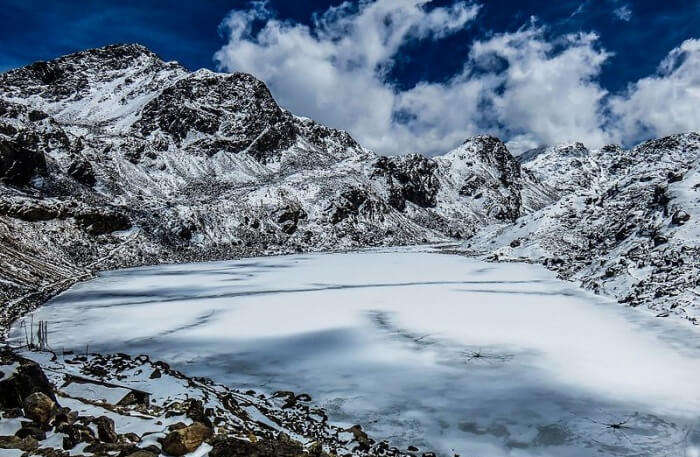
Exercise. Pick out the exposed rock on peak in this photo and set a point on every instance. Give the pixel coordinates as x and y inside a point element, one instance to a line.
<point>488,176</point>
<point>234,113</point>
<point>409,178</point>
<point>565,167</point>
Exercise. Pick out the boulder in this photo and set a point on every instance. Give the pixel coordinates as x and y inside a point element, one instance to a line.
<point>105,449</point>
<point>31,429</point>
<point>39,407</point>
<point>82,171</point>
<point>196,412</point>
<point>680,217</point>
<point>363,441</point>
<point>75,433</point>
<point>142,453</point>
<point>289,217</point>
<point>14,442</point>
<point>36,115</point>
<point>153,449</point>
<point>105,429</point>
<point>185,440</point>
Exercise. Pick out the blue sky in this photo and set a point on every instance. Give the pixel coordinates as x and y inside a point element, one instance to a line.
<point>626,41</point>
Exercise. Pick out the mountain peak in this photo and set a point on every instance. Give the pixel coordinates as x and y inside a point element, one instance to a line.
<point>117,50</point>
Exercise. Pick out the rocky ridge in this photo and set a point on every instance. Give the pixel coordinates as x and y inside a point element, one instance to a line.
<point>112,157</point>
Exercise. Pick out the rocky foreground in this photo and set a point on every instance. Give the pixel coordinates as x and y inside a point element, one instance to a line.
<point>66,404</point>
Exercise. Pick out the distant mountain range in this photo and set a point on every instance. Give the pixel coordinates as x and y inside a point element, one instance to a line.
<point>112,157</point>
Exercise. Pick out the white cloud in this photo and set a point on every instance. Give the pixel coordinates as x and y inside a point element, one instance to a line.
<point>549,95</point>
<point>623,13</point>
<point>335,72</point>
<point>526,88</point>
<point>662,104</point>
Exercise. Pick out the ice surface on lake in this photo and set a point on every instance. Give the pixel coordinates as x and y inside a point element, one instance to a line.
<point>443,352</point>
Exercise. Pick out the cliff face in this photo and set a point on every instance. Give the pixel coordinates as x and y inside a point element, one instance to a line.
<point>111,157</point>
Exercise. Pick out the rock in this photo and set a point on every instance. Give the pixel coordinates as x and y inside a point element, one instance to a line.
<point>14,442</point>
<point>238,106</point>
<point>39,407</point>
<point>282,446</point>
<point>142,453</point>
<point>20,161</point>
<point>156,374</point>
<point>153,449</point>
<point>132,437</point>
<point>31,429</point>
<point>471,185</point>
<point>182,441</point>
<point>82,171</point>
<point>12,413</point>
<point>410,178</point>
<point>289,218</point>
<point>106,449</point>
<point>316,449</point>
<point>290,398</point>
<point>176,426</point>
<point>36,115</point>
<point>680,217</point>
<point>64,416</point>
<point>363,441</point>
<point>31,211</point>
<point>105,429</point>
<point>100,221</point>
<point>348,204</point>
<point>75,433</point>
<point>196,412</point>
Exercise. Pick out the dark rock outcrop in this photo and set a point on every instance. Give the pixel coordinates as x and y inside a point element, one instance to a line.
<point>237,108</point>
<point>83,172</point>
<point>27,379</point>
<point>20,160</point>
<point>409,178</point>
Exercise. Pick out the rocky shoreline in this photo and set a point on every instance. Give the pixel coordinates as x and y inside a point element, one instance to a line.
<point>75,404</point>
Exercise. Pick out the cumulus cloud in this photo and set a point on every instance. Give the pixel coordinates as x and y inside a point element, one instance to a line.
<point>522,86</point>
<point>666,103</point>
<point>549,91</point>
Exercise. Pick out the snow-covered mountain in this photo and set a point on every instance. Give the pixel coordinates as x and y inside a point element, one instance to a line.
<point>626,223</point>
<point>112,157</point>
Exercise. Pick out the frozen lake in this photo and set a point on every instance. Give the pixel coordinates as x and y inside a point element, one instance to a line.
<point>442,352</point>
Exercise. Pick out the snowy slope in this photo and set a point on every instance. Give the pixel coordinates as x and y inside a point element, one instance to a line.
<point>628,224</point>
<point>112,157</point>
